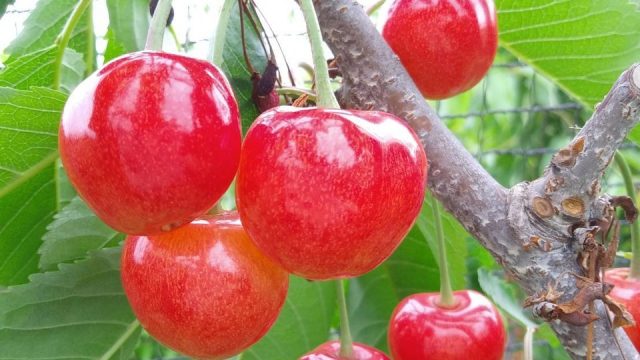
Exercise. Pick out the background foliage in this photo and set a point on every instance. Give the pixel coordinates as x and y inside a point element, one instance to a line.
<point>60,293</point>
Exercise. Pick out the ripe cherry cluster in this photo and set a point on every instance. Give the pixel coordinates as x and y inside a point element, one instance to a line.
<point>153,140</point>
<point>321,193</point>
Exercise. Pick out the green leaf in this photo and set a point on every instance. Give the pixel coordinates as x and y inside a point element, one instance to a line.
<point>235,67</point>
<point>634,135</point>
<point>303,324</point>
<point>128,25</point>
<point>582,46</point>
<point>3,6</point>
<point>24,215</point>
<point>75,231</point>
<point>78,312</point>
<point>550,347</point>
<point>45,23</point>
<point>411,269</point>
<point>37,69</point>
<point>65,190</point>
<point>114,47</point>
<point>507,296</point>
<point>28,133</point>
<point>28,150</point>
<point>625,255</point>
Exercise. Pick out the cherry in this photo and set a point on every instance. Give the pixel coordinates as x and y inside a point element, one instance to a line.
<point>151,141</point>
<point>331,350</point>
<point>627,291</point>
<point>203,289</point>
<point>421,329</point>
<point>329,193</point>
<point>446,46</point>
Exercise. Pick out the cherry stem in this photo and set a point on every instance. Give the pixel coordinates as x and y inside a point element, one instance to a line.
<point>373,8</point>
<point>528,343</point>
<point>326,98</point>
<point>244,43</point>
<point>158,24</point>
<point>623,166</point>
<point>89,56</point>
<point>62,40</point>
<point>346,343</point>
<point>275,37</point>
<point>256,29</point>
<point>174,36</point>
<point>447,300</point>
<point>219,37</point>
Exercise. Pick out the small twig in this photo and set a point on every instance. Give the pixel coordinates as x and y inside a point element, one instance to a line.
<point>286,63</point>
<point>244,43</point>
<point>373,8</point>
<point>256,28</point>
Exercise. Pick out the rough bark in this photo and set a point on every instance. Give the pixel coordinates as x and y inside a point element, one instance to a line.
<point>556,210</point>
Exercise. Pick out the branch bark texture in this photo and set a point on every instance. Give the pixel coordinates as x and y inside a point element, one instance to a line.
<point>536,230</point>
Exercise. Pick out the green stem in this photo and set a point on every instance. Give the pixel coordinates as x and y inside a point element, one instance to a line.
<point>218,38</point>
<point>89,57</point>
<point>346,343</point>
<point>447,300</point>
<point>296,92</point>
<point>528,343</point>
<point>375,7</point>
<point>635,226</point>
<point>326,98</point>
<point>172,31</point>
<point>158,24</point>
<point>63,39</point>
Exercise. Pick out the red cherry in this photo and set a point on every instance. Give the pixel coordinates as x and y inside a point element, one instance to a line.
<point>329,193</point>
<point>421,329</point>
<point>446,46</point>
<point>331,351</point>
<point>203,289</point>
<point>151,141</point>
<point>627,292</point>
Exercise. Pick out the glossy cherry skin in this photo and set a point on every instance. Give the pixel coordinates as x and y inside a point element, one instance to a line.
<point>331,351</point>
<point>203,289</point>
<point>151,141</point>
<point>420,329</point>
<point>329,193</point>
<point>447,46</point>
<point>627,292</point>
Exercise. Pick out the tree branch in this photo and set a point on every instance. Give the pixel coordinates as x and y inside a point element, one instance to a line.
<point>506,222</point>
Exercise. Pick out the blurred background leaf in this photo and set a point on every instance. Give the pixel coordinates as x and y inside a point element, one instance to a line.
<point>582,46</point>
<point>303,324</point>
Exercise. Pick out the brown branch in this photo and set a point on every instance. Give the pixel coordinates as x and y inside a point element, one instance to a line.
<point>373,78</point>
<point>555,210</point>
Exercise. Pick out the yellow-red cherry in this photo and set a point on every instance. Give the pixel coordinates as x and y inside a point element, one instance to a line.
<point>203,289</point>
